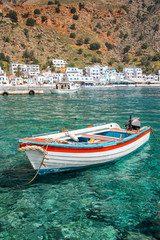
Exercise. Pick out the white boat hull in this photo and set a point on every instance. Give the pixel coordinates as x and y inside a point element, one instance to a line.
<point>60,160</point>
<point>53,91</point>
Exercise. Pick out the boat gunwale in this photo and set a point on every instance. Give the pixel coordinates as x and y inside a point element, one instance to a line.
<point>89,146</point>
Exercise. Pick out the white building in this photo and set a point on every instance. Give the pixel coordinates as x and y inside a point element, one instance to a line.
<point>101,74</point>
<point>28,70</point>
<point>73,74</point>
<point>150,78</point>
<point>3,77</point>
<point>15,80</point>
<point>132,73</point>
<point>59,63</point>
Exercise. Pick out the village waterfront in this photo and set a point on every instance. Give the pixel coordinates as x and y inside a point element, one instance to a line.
<point>114,201</point>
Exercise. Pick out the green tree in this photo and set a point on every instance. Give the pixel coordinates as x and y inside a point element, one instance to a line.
<point>81,5</point>
<point>86,40</point>
<point>75,17</point>
<point>108,45</point>
<point>43,18</point>
<point>95,59</point>
<point>95,46</point>
<point>144,45</point>
<point>37,11</point>
<point>73,26</point>
<point>108,33</point>
<point>80,51</point>
<point>12,15</point>
<point>6,39</point>
<point>126,49</point>
<point>73,10</point>
<point>50,3</point>
<point>79,41</point>
<point>72,35</point>
<point>30,22</point>
<point>26,32</point>
<point>126,58</point>
<point>57,10</point>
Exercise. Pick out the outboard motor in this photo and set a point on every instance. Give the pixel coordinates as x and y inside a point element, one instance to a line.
<point>133,124</point>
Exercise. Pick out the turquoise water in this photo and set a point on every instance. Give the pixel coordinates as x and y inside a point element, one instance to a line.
<point>115,201</point>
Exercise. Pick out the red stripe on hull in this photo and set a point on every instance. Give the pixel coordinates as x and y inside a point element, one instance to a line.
<point>79,150</point>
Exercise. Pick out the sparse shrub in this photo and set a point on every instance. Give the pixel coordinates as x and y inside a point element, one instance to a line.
<point>126,49</point>
<point>23,45</point>
<point>37,11</point>
<point>108,33</point>
<point>12,15</point>
<point>156,57</point>
<point>149,9</point>
<point>26,32</point>
<point>43,18</point>
<point>79,41</point>
<point>144,46</point>
<point>156,27</point>
<point>121,35</point>
<point>99,52</point>
<point>6,39</point>
<point>50,3</point>
<point>73,26</point>
<point>126,58</point>
<point>73,10</point>
<point>125,36</point>
<point>108,45</point>
<point>25,15</point>
<point>141,37</point>
<point>95,46</point>
<point>30,22</point>
<point>81,5</point>
<point>125,8</point>
<point>72,35</point>
<point>114,20</point>
<point>80,51</point>
<point>28,56</point>
<point>4,58</point>
<point>111,61</point>
<point>57,10</point>
<point>71,65</point>
<point>138,14</point>
<point>116,28</point>
<point>75,17</point>
<point>86,40</point>
<point>99,25</point>
<point>95,59</point>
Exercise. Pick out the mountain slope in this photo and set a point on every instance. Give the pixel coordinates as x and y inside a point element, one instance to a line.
<point>128,32</point>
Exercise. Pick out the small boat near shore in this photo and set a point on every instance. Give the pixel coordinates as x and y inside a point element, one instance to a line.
<point>90,146</point>
<point>65,87</point>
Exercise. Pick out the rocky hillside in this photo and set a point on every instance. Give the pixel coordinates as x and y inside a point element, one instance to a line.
<point>116,33</point>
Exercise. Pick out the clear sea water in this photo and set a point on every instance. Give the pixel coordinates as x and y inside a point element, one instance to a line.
<point>118,201</point>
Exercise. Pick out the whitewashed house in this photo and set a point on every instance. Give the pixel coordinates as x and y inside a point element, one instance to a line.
<point>14,80</point>
<point>73,74</point>
<point>152,78</point>
<point>59,63</point>
<point>132,73</point>
<point>3,77</point>
<point>28,70</point>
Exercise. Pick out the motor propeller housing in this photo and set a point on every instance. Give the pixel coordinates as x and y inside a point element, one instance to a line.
<point>133,124</point>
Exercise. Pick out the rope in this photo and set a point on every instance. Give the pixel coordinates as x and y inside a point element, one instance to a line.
<point>34,148</point>
<point>154,134</point>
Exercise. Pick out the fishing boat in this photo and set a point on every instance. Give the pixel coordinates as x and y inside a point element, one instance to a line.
<point>65,87</point>
<point>90,146</point>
